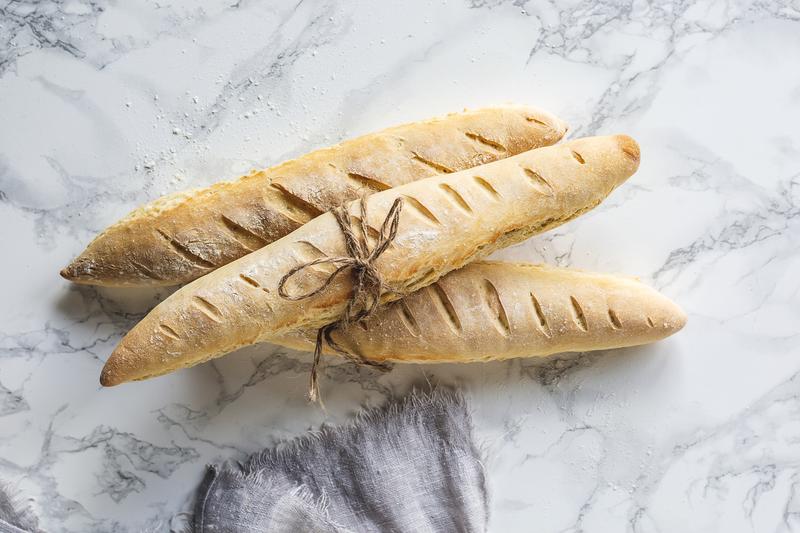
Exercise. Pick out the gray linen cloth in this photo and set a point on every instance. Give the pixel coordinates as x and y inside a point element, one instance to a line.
<point>410,466</point>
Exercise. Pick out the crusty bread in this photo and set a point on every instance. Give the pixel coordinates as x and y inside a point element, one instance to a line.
<point>181,237</point>
<point>495,310</point>
<point>446,222</point>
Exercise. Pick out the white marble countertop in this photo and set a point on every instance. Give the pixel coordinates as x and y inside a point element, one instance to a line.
<point>106,105</point>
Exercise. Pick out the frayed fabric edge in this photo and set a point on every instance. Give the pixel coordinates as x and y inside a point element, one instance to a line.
<point>438,396</point>
<point>16,516</point>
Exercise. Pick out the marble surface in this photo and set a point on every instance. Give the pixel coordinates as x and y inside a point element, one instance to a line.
<point>106,105</point>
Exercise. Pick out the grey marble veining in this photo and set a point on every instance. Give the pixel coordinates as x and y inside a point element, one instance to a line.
<point>106,105</point>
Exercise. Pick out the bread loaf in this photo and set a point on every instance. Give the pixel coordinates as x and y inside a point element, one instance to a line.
<point>181,237</point>
<point>446,222</point>
<point>495,310</point>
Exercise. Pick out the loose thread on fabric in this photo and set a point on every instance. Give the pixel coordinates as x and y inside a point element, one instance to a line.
<point>368,286</point>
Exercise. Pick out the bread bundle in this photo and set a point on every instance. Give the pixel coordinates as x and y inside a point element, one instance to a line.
<point>466,185</point>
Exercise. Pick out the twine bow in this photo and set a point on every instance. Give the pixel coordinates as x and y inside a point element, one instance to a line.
<point>367,283</point>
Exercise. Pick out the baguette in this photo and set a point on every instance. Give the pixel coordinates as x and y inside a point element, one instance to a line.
<point>446,222</point>
<point>494,310</point>
<point>181,237</point>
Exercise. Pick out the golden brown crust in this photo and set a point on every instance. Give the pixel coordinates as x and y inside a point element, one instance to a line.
<point>181,237</point>
<point>446,222</point>
<point>495,310</point>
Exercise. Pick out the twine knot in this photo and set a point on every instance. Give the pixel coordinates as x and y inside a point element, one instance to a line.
<point>368,286</point>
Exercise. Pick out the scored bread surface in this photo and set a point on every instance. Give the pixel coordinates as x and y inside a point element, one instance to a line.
<point>181,237</point>
<point>446,221</point>
<point>497,310</point>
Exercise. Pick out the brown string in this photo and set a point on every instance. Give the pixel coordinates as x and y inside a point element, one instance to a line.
<point>367,283</point>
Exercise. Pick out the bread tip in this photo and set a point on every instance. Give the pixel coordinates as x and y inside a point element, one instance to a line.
<point>680,318</point>
<point>561,128</point>
<point>560,124</point>
<point>68,272</point>
<point>111,376</point>
<point>77,272</point>
<point>106,379</point>
<point>670,321</point>
<point>629,147</point>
